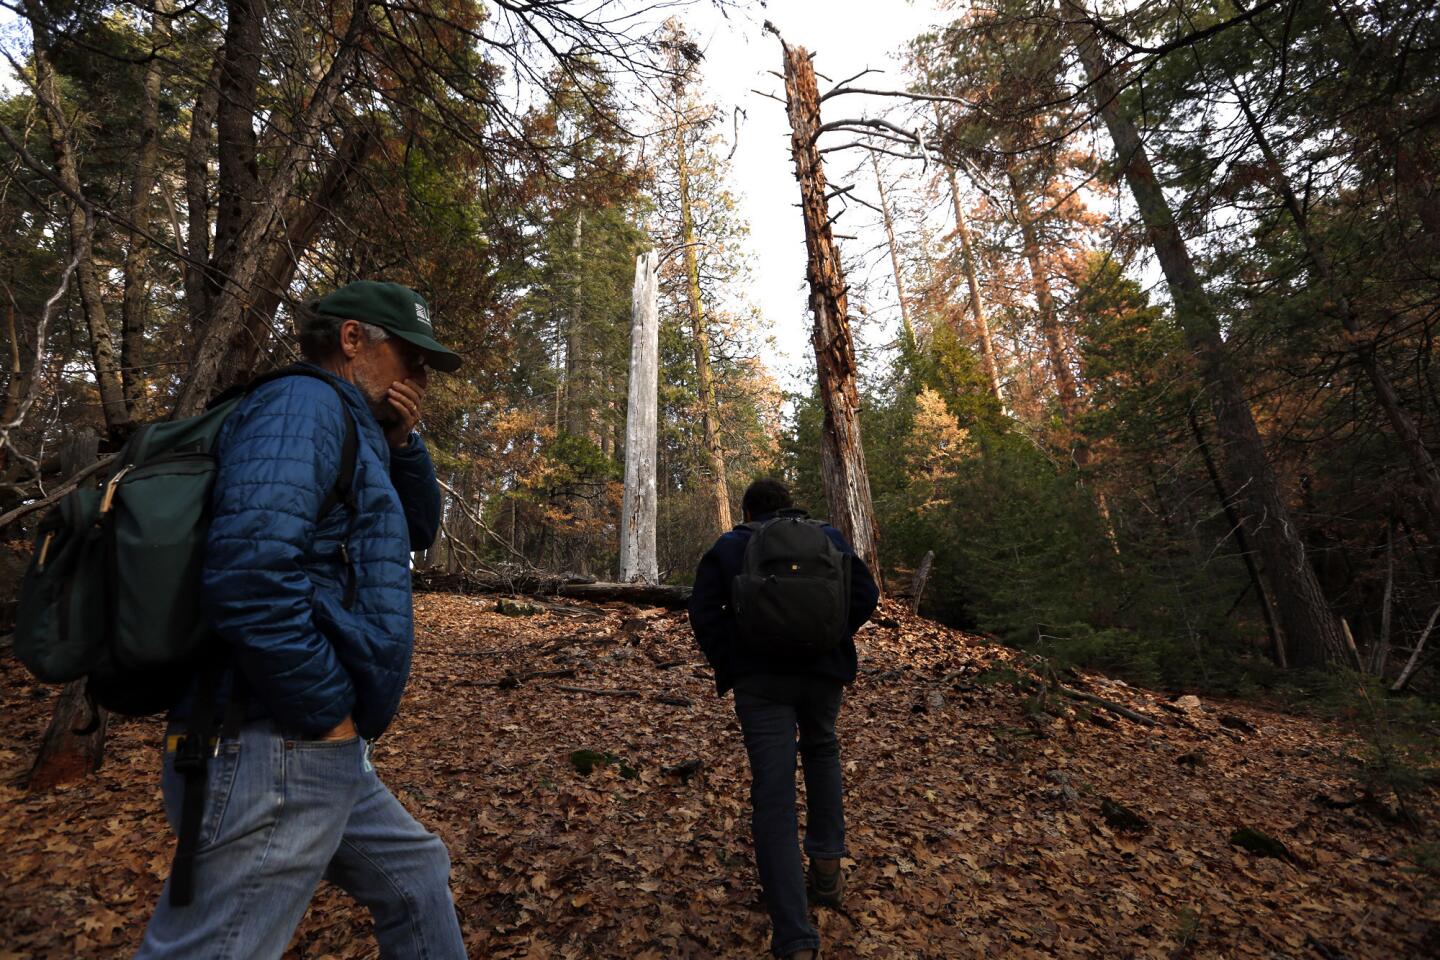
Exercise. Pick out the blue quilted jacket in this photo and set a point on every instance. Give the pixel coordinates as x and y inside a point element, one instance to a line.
<point>274,578</point>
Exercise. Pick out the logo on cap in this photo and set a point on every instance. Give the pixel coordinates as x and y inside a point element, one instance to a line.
<point>423,316</point>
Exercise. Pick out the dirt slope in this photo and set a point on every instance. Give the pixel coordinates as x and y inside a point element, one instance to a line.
<point>975,821</point>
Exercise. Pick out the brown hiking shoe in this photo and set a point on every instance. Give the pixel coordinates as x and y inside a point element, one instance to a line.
<point>827,883</point>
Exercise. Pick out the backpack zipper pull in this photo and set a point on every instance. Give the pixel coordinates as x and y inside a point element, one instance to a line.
<point>108,501</point>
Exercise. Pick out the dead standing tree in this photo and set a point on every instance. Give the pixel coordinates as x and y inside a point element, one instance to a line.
<point>842,456</point>
<point>637,515</point>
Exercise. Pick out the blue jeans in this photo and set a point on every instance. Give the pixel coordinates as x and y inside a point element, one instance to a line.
<point>769,727</point>
<point>280,814</point>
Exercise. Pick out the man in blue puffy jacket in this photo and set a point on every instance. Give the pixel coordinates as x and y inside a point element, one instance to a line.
<point>774,697</point>
<point>312,599</point>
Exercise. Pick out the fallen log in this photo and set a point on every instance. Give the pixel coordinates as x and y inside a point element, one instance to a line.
<point>600,691</point>
<point>1110,705</point>
<point>512,680</point>
<point>672,699</point>
<point>579,588</point>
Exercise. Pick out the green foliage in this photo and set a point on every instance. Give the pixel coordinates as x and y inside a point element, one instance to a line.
<point>1400,756</point>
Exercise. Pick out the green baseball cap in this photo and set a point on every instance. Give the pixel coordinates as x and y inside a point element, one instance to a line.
<point>399,310</point>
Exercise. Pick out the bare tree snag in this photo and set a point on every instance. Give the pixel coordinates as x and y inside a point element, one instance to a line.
<point>705,381</point>
<point>637,512</point>
<point>82,233</point>
<point>1309,624</point>
<point>1402,681</point>
<point>239,164</point>
<point>922,577</point>
<point>909,331</point>
<point>842,455</point>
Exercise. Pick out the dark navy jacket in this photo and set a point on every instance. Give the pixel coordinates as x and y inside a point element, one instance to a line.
<point>713,620</point>
<point>274,578</point>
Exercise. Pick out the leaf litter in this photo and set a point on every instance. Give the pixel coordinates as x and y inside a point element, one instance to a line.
<point>979,804</point>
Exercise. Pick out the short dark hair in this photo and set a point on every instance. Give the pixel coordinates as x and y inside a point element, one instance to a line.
<point>765,495</point>
<point>319,334</point>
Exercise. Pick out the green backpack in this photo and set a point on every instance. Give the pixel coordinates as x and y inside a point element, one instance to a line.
<point>112,593</point>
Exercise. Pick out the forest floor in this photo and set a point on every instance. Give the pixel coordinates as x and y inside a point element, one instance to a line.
<point>981,825</point>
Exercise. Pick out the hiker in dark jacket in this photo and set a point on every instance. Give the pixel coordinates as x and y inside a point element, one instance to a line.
<point>774,696</point>
<point>313,607</point>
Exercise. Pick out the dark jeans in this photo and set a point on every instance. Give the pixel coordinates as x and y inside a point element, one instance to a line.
<point>769,726</point>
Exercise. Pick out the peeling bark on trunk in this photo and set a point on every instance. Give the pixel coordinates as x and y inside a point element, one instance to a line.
<point>1309,624</point>
<point>977,303</point>
<point>705,381</point>
<point>842,456</point>
<point>142,189</point>
<point>82,228</point>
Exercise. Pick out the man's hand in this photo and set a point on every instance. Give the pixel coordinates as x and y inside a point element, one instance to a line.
<point>345,730</point>
<point>404,398</point>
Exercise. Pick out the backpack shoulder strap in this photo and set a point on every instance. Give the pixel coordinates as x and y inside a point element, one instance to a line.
<point>343,491</point>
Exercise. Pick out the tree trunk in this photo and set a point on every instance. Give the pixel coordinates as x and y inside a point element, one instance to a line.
<point>66,755</point>
<point>82,229</point>
<point>197,197</point>
<point>1308,622</point>
<point>907,329</point>
<point>1262,592</point>
<point>842,455</point>
<point>239,183</point>
<point>1055,336</point>
<point>229,307</point>
<point>719,487</point>
<point>637,514</point>
<point>575,339</point>
<point>142,189</point>
<point>977,303</point>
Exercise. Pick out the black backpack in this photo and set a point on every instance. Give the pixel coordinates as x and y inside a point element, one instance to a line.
<point>792,597</point>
